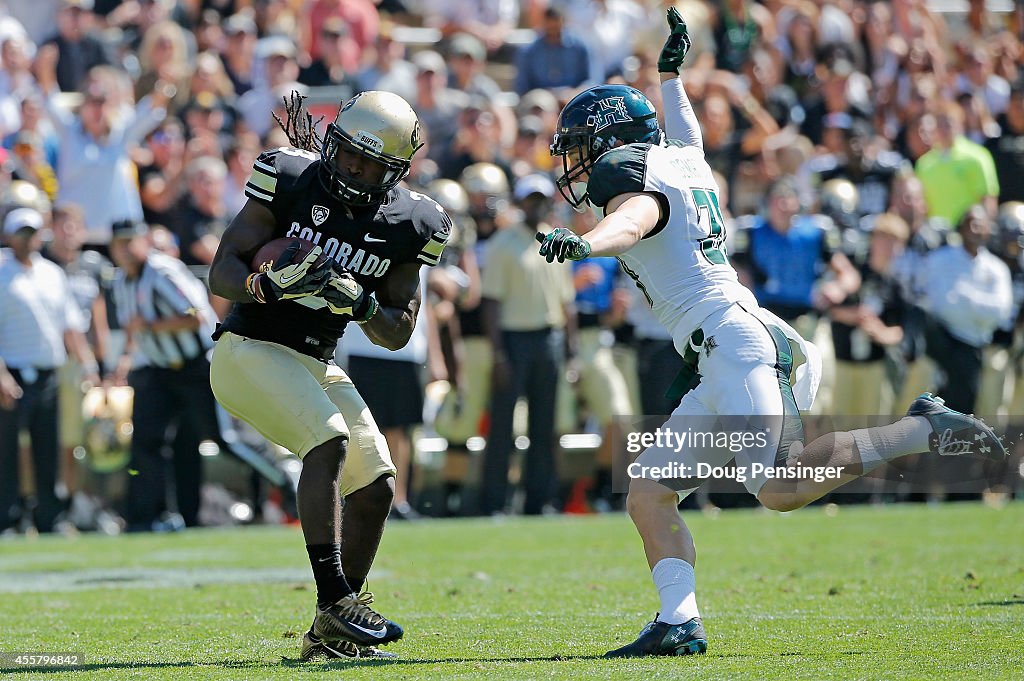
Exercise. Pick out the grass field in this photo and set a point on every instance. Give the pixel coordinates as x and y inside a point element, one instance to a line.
<point>893,592</point>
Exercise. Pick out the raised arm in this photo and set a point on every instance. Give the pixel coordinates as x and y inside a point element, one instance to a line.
<point>680,120</point>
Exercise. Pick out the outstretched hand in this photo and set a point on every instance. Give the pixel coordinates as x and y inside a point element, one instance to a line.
<point>676,46</point>
<point>563,244</point>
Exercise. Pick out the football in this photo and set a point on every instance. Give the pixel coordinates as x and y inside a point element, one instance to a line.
<point>272,250</point>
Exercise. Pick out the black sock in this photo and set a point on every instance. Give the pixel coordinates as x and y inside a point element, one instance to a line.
<point>356,584</point>
<point>325,559</point>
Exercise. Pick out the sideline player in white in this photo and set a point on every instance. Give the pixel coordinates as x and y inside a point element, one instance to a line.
<point>662,220</point>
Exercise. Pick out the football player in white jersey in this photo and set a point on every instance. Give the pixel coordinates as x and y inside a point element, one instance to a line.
<point>662,220</point>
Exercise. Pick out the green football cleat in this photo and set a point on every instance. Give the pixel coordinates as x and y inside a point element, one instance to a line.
<point>956,434</point>
<point>659,638</point>
<point>317,650</point>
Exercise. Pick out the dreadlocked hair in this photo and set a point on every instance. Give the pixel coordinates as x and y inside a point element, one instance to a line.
<point>299,126</point>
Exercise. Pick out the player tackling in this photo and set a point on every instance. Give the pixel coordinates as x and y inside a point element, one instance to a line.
<point>272,365</point>
<point>662,220</point>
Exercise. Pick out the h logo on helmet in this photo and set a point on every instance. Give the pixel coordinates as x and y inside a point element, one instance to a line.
<point>610,110</point>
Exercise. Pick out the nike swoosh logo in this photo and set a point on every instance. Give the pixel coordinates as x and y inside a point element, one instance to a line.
<point>372,632</point>
<point>372,240</point>
<point>287,280</point>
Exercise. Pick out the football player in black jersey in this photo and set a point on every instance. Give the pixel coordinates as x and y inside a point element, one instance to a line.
<point>272,365</point>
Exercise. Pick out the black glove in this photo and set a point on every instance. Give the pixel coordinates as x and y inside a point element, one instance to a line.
<point>344,295</point>
<point>678,44</point>
<point>563,244</point>
<point>288,279</point>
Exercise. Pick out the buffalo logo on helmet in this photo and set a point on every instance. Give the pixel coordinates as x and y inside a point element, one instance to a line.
<point>320,214</point>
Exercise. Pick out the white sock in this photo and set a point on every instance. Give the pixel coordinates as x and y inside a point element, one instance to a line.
<point>909,435</point>
<point>676,584</point>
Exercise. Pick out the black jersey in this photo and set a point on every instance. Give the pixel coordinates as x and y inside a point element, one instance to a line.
<point>368,241</point>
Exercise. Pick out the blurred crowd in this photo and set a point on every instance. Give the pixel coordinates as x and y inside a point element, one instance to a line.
<point>870,157</point>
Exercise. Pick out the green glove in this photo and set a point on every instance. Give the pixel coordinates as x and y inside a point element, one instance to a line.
<point>563,244</point>
<point>678,44</point>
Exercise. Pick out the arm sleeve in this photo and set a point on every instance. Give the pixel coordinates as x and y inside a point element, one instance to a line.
<point>680,120</point>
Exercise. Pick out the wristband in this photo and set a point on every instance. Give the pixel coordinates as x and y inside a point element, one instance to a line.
<point>371,309</point>
<point>253,286</point>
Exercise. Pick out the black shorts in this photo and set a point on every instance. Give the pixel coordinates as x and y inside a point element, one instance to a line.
<point>391,389</point>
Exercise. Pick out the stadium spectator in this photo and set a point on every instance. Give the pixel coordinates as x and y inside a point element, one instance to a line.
<point>477,140</point>
<point>39,324</point>
<point>786,256</point>
<point>164,56</point>
<point>389,69</point>
<point>16,83</point>
<point>338,60</point>
<point>360,17</point>
<point>278,57</point>
<point>466,59</point>
<point>599,384</point>
<point>527,305</point>
<point>89,275</point>
<point>738,26</point>
<point>162,174</point>
<point>240,157</point>
<point>199,218</point>
<point>978,77</point>
<point>391,383</point>
<point>866,323</point>
<point>33,120</point>
<point>609,27</point>
<point>1008,148</point>
<point>926,235</point>
<point>94,169</point>
<point>556,59</point>
<point>165,313</point>
<point>488,20</point>
<point>470,362</point>
<point>436,105</point>
<point>967,292</point>
<point>238,54</point>
<point>76,48</point>
<point>956,173</point>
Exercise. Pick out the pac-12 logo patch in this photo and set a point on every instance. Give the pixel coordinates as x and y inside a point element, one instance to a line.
<point>320,214</point>
<point>610,110</point>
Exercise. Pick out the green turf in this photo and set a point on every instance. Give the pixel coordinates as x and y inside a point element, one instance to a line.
<point>895,592</point>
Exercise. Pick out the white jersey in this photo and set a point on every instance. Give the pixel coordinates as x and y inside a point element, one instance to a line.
<point>681,265</point>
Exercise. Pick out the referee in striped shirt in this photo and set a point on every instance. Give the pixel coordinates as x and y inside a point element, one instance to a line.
<point>166,313</point>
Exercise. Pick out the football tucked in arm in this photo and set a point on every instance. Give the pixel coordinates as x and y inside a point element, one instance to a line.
<point>296,251</point>
<point>272,250</point>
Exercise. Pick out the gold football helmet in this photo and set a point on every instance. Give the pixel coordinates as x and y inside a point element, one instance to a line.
<point>450,195</point>
<point>488,190</point>
<point>377,125</point>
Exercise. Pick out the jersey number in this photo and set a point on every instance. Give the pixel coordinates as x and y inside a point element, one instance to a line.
<point>709,216</point>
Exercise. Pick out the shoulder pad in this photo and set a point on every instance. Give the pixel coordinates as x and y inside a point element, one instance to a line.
<point>278,170</point>
<point>619,171</point>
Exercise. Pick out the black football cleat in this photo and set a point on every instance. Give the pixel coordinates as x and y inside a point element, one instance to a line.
<point>318,650</point>
<point>351,619</point>
<point>659,638</point>
<point>956,434</point>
